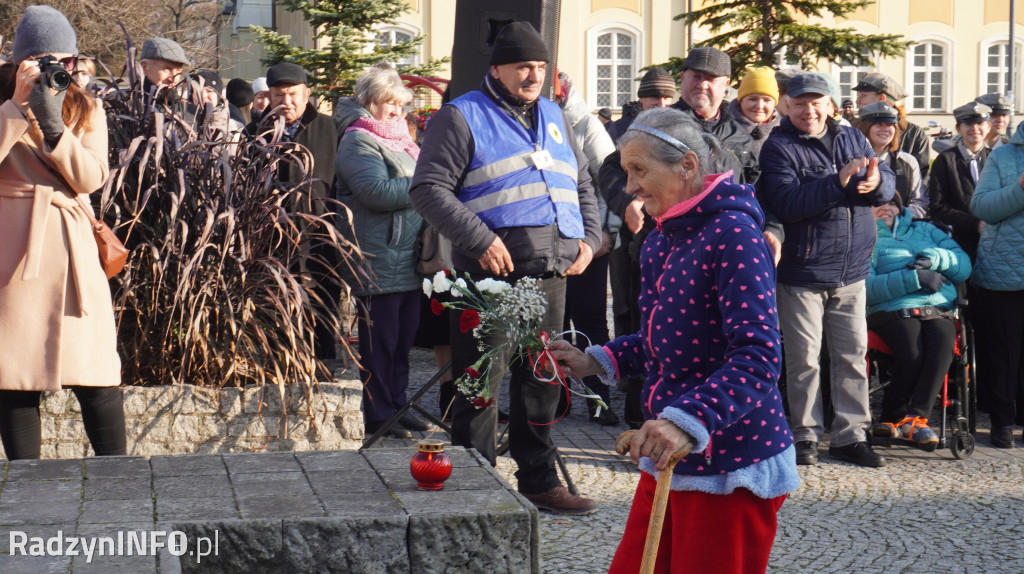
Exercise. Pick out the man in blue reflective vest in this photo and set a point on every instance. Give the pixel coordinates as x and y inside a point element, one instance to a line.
<point>501,175</point>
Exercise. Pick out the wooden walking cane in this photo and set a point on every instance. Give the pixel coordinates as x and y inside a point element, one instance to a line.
<point>660,501</point>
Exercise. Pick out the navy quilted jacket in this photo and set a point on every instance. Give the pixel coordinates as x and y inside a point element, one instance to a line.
<point>830,230</point>
<point>709,340</point>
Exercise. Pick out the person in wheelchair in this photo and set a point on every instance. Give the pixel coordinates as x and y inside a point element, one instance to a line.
<point>912,296</point>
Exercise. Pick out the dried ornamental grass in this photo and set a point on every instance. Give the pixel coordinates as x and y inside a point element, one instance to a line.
<point>217,290</point>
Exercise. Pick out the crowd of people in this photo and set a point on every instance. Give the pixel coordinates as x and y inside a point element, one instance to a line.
<point>734,234</point>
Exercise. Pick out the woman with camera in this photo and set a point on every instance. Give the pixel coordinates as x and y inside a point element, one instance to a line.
<point>56,316</point>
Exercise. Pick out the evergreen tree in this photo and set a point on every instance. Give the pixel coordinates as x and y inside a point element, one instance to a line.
<point>347,30</point>
<point>760,32</point>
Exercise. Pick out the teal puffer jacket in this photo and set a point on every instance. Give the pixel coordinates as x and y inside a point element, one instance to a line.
<point>373,182</point>
<point>891,286</point>
<point>999,202</point>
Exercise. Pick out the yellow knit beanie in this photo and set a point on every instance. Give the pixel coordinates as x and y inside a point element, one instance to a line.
<point>759,81</point>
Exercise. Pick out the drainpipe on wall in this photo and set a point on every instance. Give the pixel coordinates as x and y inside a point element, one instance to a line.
<point>1011,77</point>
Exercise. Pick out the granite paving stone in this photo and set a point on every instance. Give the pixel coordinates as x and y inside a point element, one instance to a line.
<point>118,487</point>
<point>187,465</point>
<point>116,511</point>
<point>176,508</point>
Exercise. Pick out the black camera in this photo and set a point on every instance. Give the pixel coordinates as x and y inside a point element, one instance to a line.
<point>52,71</point>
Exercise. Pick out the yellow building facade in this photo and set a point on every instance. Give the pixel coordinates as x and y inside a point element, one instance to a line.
<point>960,51</point>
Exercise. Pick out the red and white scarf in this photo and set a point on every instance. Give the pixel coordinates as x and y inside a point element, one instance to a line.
<point>392,135</point>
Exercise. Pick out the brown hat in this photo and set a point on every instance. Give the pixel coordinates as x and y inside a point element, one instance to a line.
<point>709,61</point>
<point>657,83</point>
<point>881,84</point>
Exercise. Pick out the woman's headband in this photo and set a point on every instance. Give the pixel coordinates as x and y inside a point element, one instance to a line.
<point>660,135</point>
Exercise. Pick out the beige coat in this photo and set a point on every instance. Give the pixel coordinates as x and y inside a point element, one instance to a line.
<point>56,316</point>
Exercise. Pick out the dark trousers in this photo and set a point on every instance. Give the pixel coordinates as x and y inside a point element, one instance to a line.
<point>998,319</point>
<point>384,344</point>
<point>532,403</point>
<point>922,353</point>
<point>102,414</point>
<point>586,306</point>
<point>624,276</point>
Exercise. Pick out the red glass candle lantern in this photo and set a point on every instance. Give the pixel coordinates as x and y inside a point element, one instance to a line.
<point>431,465</point>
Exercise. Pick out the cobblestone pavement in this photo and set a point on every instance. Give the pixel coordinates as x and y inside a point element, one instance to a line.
<point>923,513</point>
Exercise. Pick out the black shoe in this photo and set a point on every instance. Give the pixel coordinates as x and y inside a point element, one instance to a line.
<point>606,418</point>
<point>412,423</point>
<point>858,453</point>
<point>1002,437</point>
<point>806,452</point>
<point>502,418</point>
<point>396,430</point>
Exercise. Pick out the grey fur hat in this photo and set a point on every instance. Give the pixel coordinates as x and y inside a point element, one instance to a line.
<point>43,30</point>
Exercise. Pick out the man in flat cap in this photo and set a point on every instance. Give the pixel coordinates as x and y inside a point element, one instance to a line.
<point>501,175</point>
<point>955,173</point>
<point>1002,112</point>
<point>303,124</point>
<point>879,87</point>
<point>821,179</point>
<point>162,61</point>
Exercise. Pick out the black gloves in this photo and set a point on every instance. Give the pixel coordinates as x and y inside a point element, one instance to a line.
<point>930,281</point>
<point>48,110</point>
<point>921,262</point>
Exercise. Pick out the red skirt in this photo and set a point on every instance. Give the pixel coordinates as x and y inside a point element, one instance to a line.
<point>703,533</point>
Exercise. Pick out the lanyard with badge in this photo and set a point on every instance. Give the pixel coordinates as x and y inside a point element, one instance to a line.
<point>541,158</point>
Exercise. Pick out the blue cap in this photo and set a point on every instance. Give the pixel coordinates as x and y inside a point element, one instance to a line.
<point>807,84</point>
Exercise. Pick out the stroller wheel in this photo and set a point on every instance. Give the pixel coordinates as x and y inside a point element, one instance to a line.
<point>962,445</point>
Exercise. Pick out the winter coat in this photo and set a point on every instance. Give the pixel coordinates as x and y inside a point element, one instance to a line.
<point>999,202</point>
<point>629,113</point>
<point>892,286</point>
<point>830,230</point>
<point>913,194</point>
<point>447,151</point>
<point>595,143</point>
<point>709,344</point>
<point>56,316</point>
<point>916,142</point>
<point>316,133</point>
<point>733,137</point>
<point>373,182</point>
<point>758,132</point>
<point>950,188</point>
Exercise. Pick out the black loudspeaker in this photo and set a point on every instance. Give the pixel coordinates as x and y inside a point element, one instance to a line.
<point>477,23</point>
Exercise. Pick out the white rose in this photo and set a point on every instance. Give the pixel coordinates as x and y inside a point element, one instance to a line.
<point>428,287</point>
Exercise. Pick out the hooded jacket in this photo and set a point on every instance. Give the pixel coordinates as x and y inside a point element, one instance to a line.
<point>999,202</point>
<point>892,286</point>
<point>373,182</point>
<point>830,230</point>
<point>709,343</point>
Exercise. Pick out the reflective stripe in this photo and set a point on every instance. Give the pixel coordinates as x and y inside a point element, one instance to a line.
<point>511,165</point>
<point>520,193</point>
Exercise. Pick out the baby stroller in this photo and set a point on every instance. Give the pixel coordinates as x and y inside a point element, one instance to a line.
<point>958,404</point>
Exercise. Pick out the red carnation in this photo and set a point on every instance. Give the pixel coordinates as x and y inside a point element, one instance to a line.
<point>436,307</point>
<point>482,403</point>
<point>468,320</point>
<point>473,372</point>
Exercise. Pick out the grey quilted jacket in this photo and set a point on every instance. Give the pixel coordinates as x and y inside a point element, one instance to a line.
<point>999,202</point>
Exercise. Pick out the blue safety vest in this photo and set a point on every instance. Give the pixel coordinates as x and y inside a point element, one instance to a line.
<point>503,186</point>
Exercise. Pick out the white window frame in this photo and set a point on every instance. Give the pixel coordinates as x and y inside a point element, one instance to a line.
<point>592,35</point>
<point>857,70</point>
<point>393,29</point>
<point>1019,64</point>
<point>948,94</point>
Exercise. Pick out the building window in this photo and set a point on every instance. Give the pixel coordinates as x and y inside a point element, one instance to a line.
<point>849,74</point>
<point>615,66</point>
<point>388,37</point>
<point>994,70</point>
<point>928,77</point>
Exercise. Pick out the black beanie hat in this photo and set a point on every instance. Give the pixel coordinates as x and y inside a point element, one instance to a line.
<point>211,79</point>
<point>519,42</point>
<point>240,92</point>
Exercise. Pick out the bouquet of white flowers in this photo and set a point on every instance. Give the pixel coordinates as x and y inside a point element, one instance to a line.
<point>491,307</point>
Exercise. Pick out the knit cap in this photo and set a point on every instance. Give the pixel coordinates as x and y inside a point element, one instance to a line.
<point>240,92</point>
<point>759,81</point>
<point>519,42</point>
<point>43,30</point>
<point>657,83</point>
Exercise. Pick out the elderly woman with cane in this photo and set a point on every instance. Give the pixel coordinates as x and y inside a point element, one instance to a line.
<point>709,348</point>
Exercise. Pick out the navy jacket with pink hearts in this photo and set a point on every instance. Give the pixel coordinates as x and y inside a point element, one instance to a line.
<point>709,343</point>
